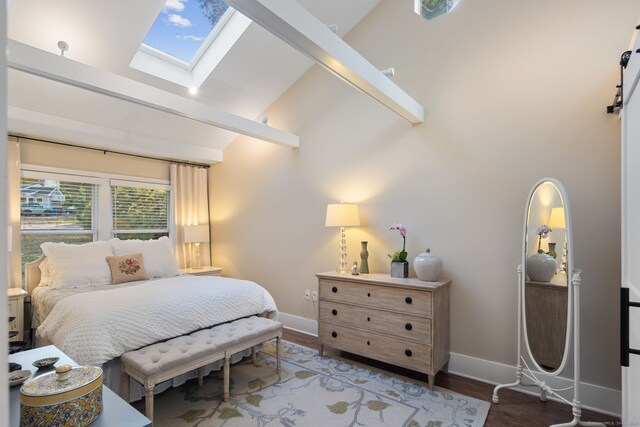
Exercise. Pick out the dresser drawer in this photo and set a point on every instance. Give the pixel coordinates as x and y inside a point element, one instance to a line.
<point>400,325</point>
<point>405,300</point>
<point>375,346</point>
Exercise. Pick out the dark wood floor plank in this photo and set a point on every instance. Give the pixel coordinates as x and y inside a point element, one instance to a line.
<point>515,409</point>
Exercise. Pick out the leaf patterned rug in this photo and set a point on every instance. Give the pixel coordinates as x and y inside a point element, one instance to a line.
<point>313,391</point>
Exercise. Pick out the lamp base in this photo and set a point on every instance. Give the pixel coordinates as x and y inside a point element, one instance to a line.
<point>197,266</point>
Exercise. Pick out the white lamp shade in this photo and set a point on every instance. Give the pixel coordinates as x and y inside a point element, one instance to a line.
<point>196,233</point>
<point>342,215</point>
<point>556,219</point>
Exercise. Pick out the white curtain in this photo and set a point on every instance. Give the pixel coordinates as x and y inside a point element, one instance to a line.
<point>190,204</point>
<point>13,214</point>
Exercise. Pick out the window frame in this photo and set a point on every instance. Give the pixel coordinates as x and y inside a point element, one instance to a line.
<point>102,217</point>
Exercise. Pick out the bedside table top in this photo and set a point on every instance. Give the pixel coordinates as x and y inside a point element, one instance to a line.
<point>205,269</point>
<point>16,292</point>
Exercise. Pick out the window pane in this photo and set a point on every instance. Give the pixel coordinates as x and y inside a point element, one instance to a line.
<point>54,211</point>
<point>140,209</point>
<point>182,27</point>
<point>55,205</point>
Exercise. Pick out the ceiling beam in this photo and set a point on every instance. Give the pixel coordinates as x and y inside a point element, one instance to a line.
<point>292,23</point>
<point>40,125</point>
<point>34,61</point>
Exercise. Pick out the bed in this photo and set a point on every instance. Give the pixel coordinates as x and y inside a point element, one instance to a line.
<point>95,325</point>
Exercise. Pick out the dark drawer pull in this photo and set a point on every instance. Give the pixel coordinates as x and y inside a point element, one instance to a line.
<point>368,343</point>
<point>368,319</point>
<point>334,311</point>
<point>334,289</point>
<point>369,294</point>
<point>408,353</point>
<point>334,334</point>
<point>408,327</point>
<point>408,300</point>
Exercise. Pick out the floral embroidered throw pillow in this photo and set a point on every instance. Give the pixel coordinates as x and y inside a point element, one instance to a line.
<point>126,268</point>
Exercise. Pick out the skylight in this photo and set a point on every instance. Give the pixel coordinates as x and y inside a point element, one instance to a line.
<point>185,28</point>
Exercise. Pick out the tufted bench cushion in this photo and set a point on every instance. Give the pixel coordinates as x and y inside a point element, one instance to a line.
<point>165,360</point>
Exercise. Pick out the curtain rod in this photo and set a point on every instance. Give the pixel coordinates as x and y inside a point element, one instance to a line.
<point>47,141</point>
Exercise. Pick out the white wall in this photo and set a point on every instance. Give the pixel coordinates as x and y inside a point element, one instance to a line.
<point>514,91</point>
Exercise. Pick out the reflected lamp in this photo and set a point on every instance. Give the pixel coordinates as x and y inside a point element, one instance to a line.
<point>557,222</point>
<point>342,215</point>
<point>556,219</point>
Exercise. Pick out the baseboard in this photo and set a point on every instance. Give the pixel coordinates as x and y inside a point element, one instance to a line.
<point>594,397</point>
<point>299,324</point>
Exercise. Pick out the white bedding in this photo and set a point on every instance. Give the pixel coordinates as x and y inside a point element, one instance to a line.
<point>94,327</point>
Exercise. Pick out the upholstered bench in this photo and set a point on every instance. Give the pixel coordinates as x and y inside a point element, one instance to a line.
<point>163,361</point>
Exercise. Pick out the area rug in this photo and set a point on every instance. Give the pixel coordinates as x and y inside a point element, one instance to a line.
<point>313,391</point>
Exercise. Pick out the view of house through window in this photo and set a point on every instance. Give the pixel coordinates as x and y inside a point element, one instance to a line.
<point>68,208</point>
<point>55,211</point>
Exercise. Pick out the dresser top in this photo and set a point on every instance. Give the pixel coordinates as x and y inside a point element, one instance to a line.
<point>383,279</point>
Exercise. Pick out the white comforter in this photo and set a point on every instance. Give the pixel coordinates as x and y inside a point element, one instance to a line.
<point>95,327</point>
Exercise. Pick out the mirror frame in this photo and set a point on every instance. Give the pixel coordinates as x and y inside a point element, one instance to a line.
<point>523,279</point>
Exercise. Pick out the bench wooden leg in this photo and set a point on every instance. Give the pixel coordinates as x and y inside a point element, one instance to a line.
<point>253,356</point>
<point>200,377</point>
<point>278,354</point>
<point>125,386</point>
<point>148,400</point>
<point>225,373</point>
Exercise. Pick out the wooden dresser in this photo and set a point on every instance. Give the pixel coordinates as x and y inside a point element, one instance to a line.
<point>404,322</point>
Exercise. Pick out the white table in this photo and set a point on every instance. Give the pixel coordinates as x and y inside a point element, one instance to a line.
<point>115,412</point>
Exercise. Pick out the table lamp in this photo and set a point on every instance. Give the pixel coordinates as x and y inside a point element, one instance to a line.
<point>342,215</point>
<point>196,234</point>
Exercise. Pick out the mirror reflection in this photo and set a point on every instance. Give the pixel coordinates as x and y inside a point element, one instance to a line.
<point>546,299</point>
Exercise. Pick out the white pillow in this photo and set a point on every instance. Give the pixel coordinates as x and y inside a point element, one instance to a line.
<point>44,273</point>
<point>157,255</point>
<point>74,266</point>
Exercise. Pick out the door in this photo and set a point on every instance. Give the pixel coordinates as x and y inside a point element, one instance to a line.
<point>631,231</point>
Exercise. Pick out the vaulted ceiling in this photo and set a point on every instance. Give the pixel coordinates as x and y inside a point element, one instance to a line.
<point>107,34</point>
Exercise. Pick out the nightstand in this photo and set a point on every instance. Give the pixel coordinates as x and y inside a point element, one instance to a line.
<point>204,271</point>
<point>16,309</point>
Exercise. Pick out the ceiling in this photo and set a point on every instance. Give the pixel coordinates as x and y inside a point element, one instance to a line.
<point>106,35</point>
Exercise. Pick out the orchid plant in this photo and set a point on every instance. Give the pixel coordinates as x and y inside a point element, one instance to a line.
<point>542,232</point>
<point>400,256</point>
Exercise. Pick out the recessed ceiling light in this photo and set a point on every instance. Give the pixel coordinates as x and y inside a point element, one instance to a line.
<point>193,90</point>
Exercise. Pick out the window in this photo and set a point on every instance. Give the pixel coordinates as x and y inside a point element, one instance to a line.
<point>73,208</point>
<point>139,212</point>
<point>184,29</point>
<point>188,40</point>
<point>63,212</point>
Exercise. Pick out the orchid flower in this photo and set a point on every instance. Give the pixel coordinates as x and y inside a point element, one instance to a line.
<point>400,255</point>
<point>542,232</point>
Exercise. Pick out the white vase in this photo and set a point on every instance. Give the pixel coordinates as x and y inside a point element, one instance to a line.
<point>541,267</point>
<point>427,266</point>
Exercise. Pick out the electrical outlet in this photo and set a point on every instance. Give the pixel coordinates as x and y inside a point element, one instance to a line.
<point>307,294</point>
<point>314,296</point>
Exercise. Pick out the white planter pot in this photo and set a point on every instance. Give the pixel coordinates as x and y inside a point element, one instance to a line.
<point>427,266</point>
<point>541,267</point>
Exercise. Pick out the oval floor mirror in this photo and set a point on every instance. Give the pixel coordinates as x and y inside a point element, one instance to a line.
<point>548,297</point>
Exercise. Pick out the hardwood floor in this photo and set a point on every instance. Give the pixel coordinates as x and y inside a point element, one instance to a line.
<point>515,409</point>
